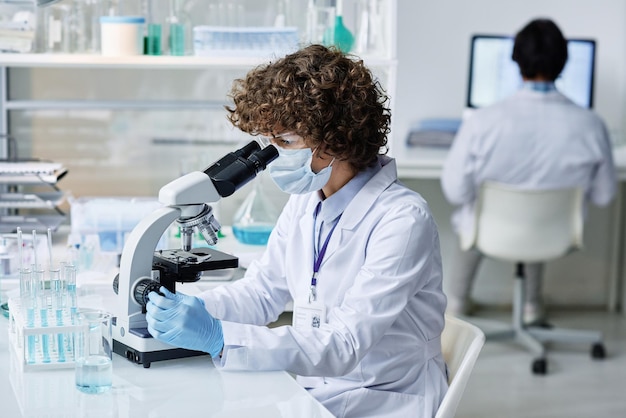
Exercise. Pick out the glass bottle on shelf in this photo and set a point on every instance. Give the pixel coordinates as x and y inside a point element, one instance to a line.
<point>255,218</point>
<point>343,38</point>
<point>153,40</point>
<point>370,23</point>
<point>320,22</point>
<point>177,30</point>
<point>54,28</point>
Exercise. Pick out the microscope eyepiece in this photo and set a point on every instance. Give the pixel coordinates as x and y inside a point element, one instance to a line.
<point>263,157</point>
<point>231,158</point>
<point>247,150</point>
<point>237,168</point>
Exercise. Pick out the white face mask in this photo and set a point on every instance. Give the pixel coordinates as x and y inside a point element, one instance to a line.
<point>292,172</point>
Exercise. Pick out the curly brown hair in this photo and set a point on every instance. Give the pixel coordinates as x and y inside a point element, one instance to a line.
<point>319,93</point>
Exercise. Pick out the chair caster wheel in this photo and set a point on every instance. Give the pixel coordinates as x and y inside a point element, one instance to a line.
<point>540,366</point>
<point>597,351</point>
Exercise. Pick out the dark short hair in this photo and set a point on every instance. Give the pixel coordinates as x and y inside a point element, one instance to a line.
<point>540,49</point>
<point>321,94</point>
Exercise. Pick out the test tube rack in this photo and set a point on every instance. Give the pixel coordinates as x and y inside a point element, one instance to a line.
<point>40,347</point>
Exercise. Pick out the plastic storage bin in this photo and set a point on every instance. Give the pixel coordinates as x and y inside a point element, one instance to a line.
<point>110,219</point>
<point>244,41</point>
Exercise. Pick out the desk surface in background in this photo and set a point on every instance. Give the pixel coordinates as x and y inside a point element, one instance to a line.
<point>427,162</point>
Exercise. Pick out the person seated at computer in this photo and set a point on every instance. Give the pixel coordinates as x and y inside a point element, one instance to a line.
<point>535,139</point>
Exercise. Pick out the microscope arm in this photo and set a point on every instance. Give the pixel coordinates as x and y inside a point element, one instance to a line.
<point>191,189</point>
<point>136,261</point>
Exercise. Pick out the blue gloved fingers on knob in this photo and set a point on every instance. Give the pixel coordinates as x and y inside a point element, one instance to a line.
<point>165,301</point>
<point>169,295</point>
<point>160,319</point>
<point>183,321</point>
<point>163,311</point>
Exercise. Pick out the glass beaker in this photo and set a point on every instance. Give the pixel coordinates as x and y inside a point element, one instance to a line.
<point>93,352</point>
<point>254,220</point>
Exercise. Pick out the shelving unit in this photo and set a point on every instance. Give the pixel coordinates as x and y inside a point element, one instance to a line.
<point>29,72</point>
<point>42,207</point>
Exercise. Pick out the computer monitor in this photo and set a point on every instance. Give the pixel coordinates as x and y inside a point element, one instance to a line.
<point>493,75</point>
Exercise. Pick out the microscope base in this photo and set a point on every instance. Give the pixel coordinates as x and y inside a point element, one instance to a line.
<point>140,349</point>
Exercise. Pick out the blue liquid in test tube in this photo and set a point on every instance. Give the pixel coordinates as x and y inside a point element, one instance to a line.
<point>45,340</point>
<point>42,296</point>
<point>58,301</point>
<point>70,290</point>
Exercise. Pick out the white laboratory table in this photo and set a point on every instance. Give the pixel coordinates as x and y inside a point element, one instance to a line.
<point>427,163</point>
<point>190,387</point>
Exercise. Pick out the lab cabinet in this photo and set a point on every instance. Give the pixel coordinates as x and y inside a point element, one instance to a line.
<point>124,126</point>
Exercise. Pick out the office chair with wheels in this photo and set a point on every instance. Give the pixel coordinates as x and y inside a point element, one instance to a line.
<point>461,343</point>
<point>531,226</point>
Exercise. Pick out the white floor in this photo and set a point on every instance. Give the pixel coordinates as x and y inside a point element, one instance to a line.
<point>502,384</point>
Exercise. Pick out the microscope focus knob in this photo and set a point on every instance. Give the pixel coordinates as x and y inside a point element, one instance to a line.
<point>143,288</point>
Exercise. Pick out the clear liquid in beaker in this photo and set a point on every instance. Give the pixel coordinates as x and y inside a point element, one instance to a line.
<point>94,374</point>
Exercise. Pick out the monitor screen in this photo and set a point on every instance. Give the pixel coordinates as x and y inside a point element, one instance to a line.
<point>493,75</point>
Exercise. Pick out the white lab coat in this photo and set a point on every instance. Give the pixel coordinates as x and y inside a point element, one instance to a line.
<point>380,349</point>
<point>535,140</point>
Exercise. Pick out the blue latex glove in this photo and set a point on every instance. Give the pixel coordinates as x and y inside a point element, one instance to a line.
<point>183,321</point>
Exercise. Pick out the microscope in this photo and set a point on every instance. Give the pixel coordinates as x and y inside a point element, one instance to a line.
<point>142,269</point>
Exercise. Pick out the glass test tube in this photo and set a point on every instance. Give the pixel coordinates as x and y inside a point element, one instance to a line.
<point>69,277</point>
<point>28,302</point>
<point>58,304</point>
<point>44,304</point>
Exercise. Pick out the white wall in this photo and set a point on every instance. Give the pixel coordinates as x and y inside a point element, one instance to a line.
<point>433,50</point>
<point>433,55</point>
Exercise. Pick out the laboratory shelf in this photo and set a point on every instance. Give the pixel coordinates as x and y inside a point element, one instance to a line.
<point>31,200</point>
<point>16,176</point>
<point>50,178</point>
<point>49,60</point>
<point>41,223</point>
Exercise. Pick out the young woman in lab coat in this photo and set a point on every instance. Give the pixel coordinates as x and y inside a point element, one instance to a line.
<point>357,252</point>
<point>535,139</point>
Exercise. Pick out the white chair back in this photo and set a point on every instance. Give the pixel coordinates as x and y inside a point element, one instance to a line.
<point>461,343</point>
<point>527,225</point>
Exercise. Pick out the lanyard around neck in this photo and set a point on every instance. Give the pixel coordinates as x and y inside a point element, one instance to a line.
<point>317,262</point>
